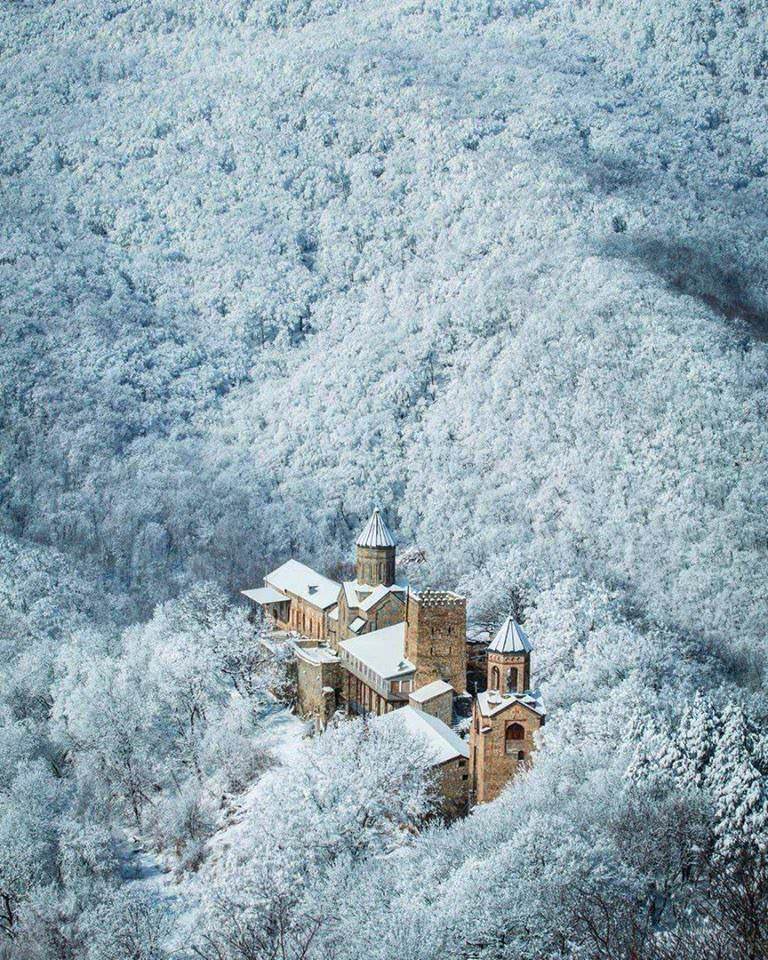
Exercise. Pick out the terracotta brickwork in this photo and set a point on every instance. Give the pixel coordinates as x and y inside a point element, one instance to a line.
<point>435,639</point>
<point>495,753</point>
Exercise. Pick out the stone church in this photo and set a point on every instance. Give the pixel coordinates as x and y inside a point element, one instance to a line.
<point>374,647</point>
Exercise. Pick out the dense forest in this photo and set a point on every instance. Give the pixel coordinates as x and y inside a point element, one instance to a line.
<point>499,267</point>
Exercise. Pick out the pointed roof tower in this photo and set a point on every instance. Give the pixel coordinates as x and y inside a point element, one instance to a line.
<point>375,533</point>
<point>375,553</point>
<point>510,639</point>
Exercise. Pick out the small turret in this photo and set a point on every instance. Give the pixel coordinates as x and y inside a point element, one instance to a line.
<point>375,553</point>
<point>509,659</point>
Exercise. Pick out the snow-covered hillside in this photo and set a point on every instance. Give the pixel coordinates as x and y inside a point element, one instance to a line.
<point>497,266</point>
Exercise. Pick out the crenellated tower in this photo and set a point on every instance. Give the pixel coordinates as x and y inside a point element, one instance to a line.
<point>436,637</point>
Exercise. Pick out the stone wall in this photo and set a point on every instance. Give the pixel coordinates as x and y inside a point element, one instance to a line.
<point>435,639</point>
<point>375,565</point>
<point>318,686</point>
<point>491,765</point>
<point>386,613</point>
<point>499,667</point>
<point>440,706</point>
<point>454,783</point>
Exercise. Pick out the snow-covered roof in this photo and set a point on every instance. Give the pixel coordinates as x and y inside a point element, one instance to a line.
<point>510,639</point>
<point>444,744</point>
<point>264,595</point>
<point>316,654</point>
<point>356,624</point>
<point>382,651</point>
<point>355,593</point>
<point>298,578</point>
<point>380,592</point>
<point>375,533</point>
<point>491,702</point>
<point>363,596</point>
<point>431,690</point>
<point>334,614</point>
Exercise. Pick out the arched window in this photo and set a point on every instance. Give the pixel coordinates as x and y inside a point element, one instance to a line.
<point>495,678</point>
<point>514,733</point>
<point>512,680</point>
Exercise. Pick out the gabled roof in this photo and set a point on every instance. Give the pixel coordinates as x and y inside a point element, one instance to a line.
<point>363,596</point>
<point>510,639</point>
<point>356,593</point>
<point>357,624</point>
<point>298,578</point>
<point>379,593</point>
<point>382,651</point>
<point>375,533</point>
<point>444,744</point>
<point>431,690</point>
<point>263,595</point>
<point>491,702</point>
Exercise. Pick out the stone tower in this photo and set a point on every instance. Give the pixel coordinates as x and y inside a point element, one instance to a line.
<point>375,553</point>
<point>506,718</point>
<point>509,660</point>
<point>436,637</point>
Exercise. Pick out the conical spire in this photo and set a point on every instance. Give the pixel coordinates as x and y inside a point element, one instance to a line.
<point>511,638</point>
<point>375,533</point>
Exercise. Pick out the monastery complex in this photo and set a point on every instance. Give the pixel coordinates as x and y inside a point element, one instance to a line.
<point>374,647</point>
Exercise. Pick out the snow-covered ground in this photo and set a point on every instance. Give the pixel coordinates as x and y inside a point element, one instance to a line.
<point>284,733</point>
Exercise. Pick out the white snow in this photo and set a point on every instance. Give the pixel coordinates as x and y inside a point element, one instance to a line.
<point>431,690</point>
<point>375,533</point>
<point>382,651</point>
<point>262,595</point>
<point>301,580</point>
<point>511,638</point>
<point>444,743</point>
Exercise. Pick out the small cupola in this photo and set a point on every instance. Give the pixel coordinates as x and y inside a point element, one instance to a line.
<point>375,553</point>
<point>509,660</point>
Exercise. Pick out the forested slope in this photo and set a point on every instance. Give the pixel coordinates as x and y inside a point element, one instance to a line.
<point>500,267</point>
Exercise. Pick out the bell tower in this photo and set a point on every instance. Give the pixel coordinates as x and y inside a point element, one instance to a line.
<point>375,553</point>
<point>509,660</point>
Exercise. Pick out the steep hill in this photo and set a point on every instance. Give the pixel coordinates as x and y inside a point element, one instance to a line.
<point>500,267</point>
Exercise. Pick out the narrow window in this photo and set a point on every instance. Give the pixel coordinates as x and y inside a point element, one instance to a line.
<point>512,680</point>
<point>495,678</point>
<point>514,732</point>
